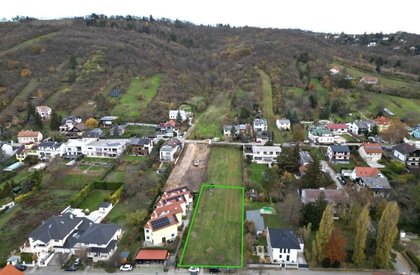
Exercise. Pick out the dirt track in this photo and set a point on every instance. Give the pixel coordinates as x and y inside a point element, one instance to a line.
<point>185,172</point>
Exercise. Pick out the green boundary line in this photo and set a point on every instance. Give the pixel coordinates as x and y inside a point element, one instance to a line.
<point>192,223</point>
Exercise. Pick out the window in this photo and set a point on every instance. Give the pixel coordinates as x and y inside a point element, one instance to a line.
<point>147,238</point>
<point>147,230</point>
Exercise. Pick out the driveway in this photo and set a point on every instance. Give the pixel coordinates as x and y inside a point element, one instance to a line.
<point>327,169</point>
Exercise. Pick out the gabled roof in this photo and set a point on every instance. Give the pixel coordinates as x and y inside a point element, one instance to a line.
<point>331,195</point>
<point>10,270</point>
<point>382,120</point>
<point>28,133</point>
<point>43,108</point>
<point>255,216</point>
<point>363,123</point>
<point>56,227</point>
<point>98,233</point>
<point>336,126</point>
<point>152,254</point>
<point>260,121</point>
<point>283,238</point>
<point>139,141</point>
<point>173,142</point>
<point>372,148</point>
<point>108,118</point>
<point>174,208</point>
<point>366,172</point>
<point>340,148</point>
<point>405,148</point>
<point>320,131</point>
<point>376,183</point>
<point>161,222</point>
<point>50,144</point>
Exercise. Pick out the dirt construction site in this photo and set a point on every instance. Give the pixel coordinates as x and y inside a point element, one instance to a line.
<point>190,168</point>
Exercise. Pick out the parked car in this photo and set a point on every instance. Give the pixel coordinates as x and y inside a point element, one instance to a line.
<point>126,267</point>
<point>78,261</point>
<point>214,270</point>
<point>194,269</point>
<point>71,268</point>
<point>20,267</point>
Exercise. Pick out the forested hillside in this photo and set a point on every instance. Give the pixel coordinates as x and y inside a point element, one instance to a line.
<point>72,65</point>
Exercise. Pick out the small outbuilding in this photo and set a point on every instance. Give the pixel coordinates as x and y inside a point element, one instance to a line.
<point>152,256</point>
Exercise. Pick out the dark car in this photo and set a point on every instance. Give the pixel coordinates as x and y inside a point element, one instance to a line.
<point>71,268</point>
<point>20,267</point>
<point>214,270</point>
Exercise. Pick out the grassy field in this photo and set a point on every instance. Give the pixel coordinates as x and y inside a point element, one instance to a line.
<point>140,92</point>
<point>215,236</point>
<point>279,137</point>
<point>255,174</point>
<point>139,131</point>
<point>275,221</point>
<point>225,166</point>
<point>115,176</point>
<point>95,198</point>
<point>75,181</point>
<point>210,123</point>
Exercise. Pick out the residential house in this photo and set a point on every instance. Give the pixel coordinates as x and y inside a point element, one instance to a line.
<point>173,114</point>
<point>95,133</point>
<point>369,80</point>
<point>29,136</point>
<point>304,159</point>
<point>9,269</point>
<point>76,147</point>
<point>382,123</point>
<point>237,129</point>
<point>359,127</point>
<point>416,132</point>
<point>370,151</point>
<point>408,154</point>
<point>118,130</point>
<point>105,148</point>
<point>108,121</point>
<point>321,135</point>
<point>177,195</point>
<point>284,246</point>
<point>338,153</point>
<point>262,154</point>
<point>334,70</point>
<point>167,130</point>
<point>169,149</point>
<point>44,112</point>
<point>283,124</point>
<point>26,150</point>
<point>256,217</point>
<point>8,148</point>
<point>337,128</point>
<point>373,179</point>
<point>48,150</point>
<point>140,146</point>
<point>263,137</point>
<point>260,125</point>
<point>332,196</point>
<point>70,234</point>
<point>68,122</point>
<point>161,230</point>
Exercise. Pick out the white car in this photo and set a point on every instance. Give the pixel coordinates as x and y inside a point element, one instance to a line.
<point>126,267</point>
<point>194,269</point>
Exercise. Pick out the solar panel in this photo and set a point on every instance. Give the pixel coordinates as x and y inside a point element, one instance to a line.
<point>160,223</point>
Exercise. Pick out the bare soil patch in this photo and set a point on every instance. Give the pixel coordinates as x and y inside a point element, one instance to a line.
<point>185,172</point>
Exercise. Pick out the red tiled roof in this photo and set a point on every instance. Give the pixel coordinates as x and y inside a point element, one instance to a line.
<point>372,148</point>
<point>152,254</point>
<point>166,210</point>
<point>10,270</point>
<point>367,171</point>
<point>382,120</point>
<point>28,133</point>
<point>336,126</point>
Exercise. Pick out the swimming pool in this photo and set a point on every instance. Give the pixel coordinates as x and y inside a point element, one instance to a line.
<point>14,166</point>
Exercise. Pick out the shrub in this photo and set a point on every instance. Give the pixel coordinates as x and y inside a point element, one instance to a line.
<point>79,197</point>
<point>24,197</point>
<point>116,196</point>
<point>414,259</point>
<point>107,185</point>
<point>397,166</point>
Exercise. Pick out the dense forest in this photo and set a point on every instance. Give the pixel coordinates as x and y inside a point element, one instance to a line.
<point>68,64</point>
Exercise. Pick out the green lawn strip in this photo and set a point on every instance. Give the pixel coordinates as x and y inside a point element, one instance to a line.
<point>215,237</point>
<point>4,218</point>
<point>115,176</point>
<point>224,167</point>
<point>117,214</point>
<point>22,175</point>
<point>210,123</point>
<point>139,131</point>
<point>95,198</point>
<point>75,181</point>
<point>255,173</point>
<point>274,221</point>
<point>134,159</point>
<point>22,96</point>
<point>321,91</point>
<point>28,43</point>
<point>268,107</point>
<point>138,95</point>
<point>317,151</point>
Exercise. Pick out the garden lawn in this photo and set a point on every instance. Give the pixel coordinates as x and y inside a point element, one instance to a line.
<point>210,123</point>
<point>76,181</point>
<point>215,236</point>
<point>115,176</point>
<point>95,198</point>
<point>225,166</point>
<point>138,95</point>
<point>275,221</point>
<point>268,108</point>
<point>255,173</point>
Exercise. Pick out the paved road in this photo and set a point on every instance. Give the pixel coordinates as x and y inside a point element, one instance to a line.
<point>327,169</point>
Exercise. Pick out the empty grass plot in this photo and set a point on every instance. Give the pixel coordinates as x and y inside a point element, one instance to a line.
<point>215,236</point>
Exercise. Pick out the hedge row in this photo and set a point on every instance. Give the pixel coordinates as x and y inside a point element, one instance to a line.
<point>109,170</point>
<point>82,194</point>
<point>24,197</point>
<point>414,258</point>
<point>116,195</point>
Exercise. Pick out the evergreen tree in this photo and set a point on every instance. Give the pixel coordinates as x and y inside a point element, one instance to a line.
<point>33,118</point>
<point>311,213</point>
<point>178,117</point>
<point>233,131</point>
<point>314,177</point>
<point>326,227</point>
<point>363,222</point>
<point>55,121</point>
<point>387,232</point>
<point>288,160</point>
<point>313,99</point>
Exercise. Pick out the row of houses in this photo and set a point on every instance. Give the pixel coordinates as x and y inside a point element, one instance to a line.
<point>162,227</point>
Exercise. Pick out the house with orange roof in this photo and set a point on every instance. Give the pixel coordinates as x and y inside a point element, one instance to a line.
<point>373,179</point>
<point>338,128</point>
<point>369,80</point>
<point>29,136</point>
<point>370,151</point>
<point>10,270</point>
<point>382,123</point>
<point>359,172</point>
